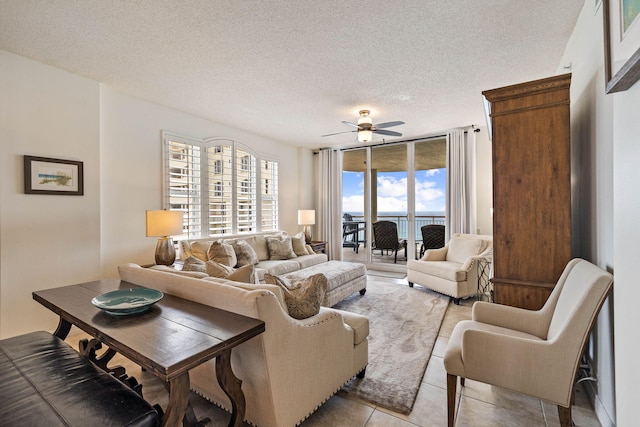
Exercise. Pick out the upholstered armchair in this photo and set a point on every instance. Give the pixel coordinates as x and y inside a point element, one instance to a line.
<point>532,352</point>
<point>453,269</point>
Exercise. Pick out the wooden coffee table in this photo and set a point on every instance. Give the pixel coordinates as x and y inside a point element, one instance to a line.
<point>173,337</point>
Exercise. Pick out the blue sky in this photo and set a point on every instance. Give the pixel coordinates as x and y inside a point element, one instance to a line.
<point>392,191</point>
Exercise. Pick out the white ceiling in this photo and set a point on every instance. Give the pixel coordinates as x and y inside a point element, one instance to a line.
<point>292,70</point>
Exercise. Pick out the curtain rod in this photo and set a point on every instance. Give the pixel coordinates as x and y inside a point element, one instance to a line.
<point>403,141</point>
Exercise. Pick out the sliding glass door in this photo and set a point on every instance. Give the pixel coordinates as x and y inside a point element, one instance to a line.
<point>389,192</point>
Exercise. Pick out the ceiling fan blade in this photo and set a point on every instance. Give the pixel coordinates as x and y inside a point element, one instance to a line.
<point>338,133</point>
<point>388,124</point>
<point>350,124</point>
<point>387,132</point>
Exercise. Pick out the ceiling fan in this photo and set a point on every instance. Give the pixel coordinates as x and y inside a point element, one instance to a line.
<point>366,128</point>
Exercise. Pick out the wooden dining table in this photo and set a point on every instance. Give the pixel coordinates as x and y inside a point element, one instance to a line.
<point>174,336</point>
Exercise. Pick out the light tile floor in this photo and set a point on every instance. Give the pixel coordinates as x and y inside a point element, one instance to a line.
<point>478,404</point>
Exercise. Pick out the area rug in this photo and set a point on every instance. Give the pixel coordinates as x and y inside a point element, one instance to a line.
<point>404,323</point>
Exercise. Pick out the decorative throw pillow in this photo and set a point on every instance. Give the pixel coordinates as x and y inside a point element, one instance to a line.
<point>309,250</point>
<point>280,248</point>
<point>298,244</point>
<point>194,264</point>
<point>245,274</point>
<point>200,248</point>
<point>223,253</point>
<point>217,269</point>
<point>244,253</point>
<point>303,296</point>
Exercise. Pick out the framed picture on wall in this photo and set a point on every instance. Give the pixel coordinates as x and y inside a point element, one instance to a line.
<point>43,175</point>
<point>621,44</point>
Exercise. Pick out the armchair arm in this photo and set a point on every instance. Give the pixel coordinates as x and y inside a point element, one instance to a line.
<point>534,367</point>
<point>532,322</point>
<point>435,254</point>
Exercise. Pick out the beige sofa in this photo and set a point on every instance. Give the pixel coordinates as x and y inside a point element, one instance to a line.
<point>198,248</point>
<point>453,269</point>
<point>288,371</point>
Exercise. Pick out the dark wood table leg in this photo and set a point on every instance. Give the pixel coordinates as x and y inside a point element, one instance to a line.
<point>63,329</point>
<point>231,385</point>
<point>178,401</point>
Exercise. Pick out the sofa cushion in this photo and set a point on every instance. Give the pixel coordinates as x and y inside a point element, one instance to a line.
<point>245,254</point>
<point>303,297</point>
<point>460,250</point>
<point>447,270</point>
<point>257,242</point>
<point>280,247</point>
<point>277,267</point>
<point>192,263</point>
<point>222,253</point>
<point>310,260</point>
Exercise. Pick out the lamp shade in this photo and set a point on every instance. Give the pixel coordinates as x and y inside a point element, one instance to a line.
<point>306,217</point>
<point>164,223</point>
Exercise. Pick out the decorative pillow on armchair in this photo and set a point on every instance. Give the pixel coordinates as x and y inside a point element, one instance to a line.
<point>280,247</point>
<point>303,296</point>
<point>244,253</point>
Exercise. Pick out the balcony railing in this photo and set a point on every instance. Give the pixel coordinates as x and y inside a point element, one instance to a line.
<point>401,221</point>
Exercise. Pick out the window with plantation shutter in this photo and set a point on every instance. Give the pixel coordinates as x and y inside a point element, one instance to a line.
<point>183,186</point>
<point>269,194</point>
<point>220,185</point>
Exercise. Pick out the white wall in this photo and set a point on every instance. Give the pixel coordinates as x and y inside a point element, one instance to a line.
<point>606,204</point>
<point>131,161</point>
<point>45,241</point>
<point>50,241</point>
<point>592,186</point>
<point>626,231</point>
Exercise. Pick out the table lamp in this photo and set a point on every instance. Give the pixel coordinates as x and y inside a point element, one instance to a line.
<point>307,217</point>
<point>164,224</point>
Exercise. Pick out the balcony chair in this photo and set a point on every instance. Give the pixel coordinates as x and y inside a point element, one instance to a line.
<point>350,233</point>
<point>432,237</point>
<point>532,352</point>
<point>385,236</point>
<point>453,269</point>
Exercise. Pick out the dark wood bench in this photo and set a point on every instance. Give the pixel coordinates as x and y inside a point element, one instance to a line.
<point>46,382</point>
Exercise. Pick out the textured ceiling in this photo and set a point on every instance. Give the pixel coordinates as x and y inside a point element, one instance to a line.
<point>293,70</point>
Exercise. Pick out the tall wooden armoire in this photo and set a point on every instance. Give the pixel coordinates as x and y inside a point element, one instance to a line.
<point>531,189</point>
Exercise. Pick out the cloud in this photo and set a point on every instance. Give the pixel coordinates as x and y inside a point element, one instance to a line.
<point>392,196</point>
<point>353,204</point>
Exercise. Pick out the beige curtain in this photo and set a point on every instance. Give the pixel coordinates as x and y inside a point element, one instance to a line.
<point>461,182</point>
<point>329,203</point>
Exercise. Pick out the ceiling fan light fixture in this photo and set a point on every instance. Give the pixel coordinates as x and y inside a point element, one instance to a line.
<point>365,135</point>
<point>364,119</point>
